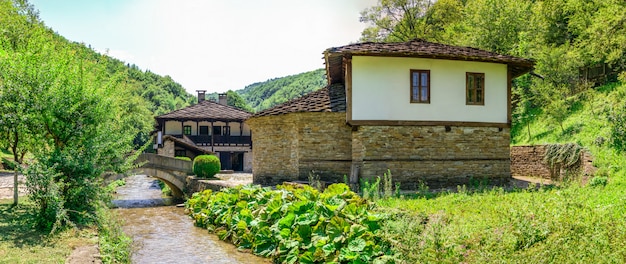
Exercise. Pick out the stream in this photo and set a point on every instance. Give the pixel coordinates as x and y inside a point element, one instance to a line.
<point>162,233</point>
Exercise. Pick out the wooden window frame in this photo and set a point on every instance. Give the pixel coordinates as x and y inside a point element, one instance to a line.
<point>187,130</point>
<point>419,99</point>
<point>474,88</point>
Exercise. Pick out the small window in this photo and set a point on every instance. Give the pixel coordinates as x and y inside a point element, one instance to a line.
<point>420,86</point>
<point>204,130</point>
<point>186,130</point>
<point>475,88</point>
<point>217,130</point>
<point>226,131</point>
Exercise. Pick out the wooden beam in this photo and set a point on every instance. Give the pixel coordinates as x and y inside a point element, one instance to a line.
<point>348,87</point>
<point>425,123</point>
<point>509,80</point>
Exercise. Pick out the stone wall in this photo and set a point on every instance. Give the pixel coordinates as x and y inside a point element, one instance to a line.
<point>324,146</point>
<point>527,161</point>
<point>288,147</point>
<point>274,155</point>
<point>440,156</point>
<point>167,149</point>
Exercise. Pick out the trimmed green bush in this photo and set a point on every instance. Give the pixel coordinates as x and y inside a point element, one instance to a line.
<point>206,166</point>
<point>183,158</point>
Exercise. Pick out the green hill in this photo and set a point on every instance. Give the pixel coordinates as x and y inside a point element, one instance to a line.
<point>263,95</point>
<point>594,118</point>
<point>23,36</point>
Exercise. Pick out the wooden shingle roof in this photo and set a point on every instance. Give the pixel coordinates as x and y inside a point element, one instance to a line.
<point>331,98</point>
<point>207,111</point>
<point>418,49</point>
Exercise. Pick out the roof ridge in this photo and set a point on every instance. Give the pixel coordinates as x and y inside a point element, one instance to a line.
<point>322,100</point>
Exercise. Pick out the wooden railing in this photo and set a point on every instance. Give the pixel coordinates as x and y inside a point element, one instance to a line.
<point>236,140</point>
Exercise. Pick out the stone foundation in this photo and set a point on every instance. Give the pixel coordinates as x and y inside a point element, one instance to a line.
<point>289,147</point>
<point>439,156</point>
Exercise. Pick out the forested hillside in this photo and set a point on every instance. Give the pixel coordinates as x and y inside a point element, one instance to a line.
<point>77,112</point>
<point>263,95</point>
<point>150,93</point>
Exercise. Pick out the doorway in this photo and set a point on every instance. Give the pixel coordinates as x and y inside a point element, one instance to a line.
<point>232,161</point>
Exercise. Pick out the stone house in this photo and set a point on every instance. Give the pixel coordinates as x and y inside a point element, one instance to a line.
<point>205,128</point>
<point>428,112</point>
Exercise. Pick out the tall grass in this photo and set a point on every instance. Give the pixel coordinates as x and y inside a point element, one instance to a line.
<point>566,224</point>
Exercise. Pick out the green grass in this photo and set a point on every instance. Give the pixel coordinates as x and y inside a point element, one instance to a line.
<point>569,223</point>
<point>20,242</point>
<point>559,225</point>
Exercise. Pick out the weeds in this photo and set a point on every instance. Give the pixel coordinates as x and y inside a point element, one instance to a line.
<point>373,191</point>
<point>115,246</point>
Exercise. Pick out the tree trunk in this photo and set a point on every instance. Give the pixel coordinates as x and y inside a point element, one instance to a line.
<point>15,193</point>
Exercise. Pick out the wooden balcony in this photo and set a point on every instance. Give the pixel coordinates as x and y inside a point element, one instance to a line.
<point>205,140</point>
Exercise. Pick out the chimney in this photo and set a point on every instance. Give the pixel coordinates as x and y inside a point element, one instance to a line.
<point>201,95</point>
<point>223,98</point>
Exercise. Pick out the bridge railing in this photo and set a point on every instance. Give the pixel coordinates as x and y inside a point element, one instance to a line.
<point>163,162</point>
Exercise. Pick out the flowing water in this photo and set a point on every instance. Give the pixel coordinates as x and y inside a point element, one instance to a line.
<point>164,234</point>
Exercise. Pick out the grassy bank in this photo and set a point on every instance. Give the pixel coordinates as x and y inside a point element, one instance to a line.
<point>564,224</point>
<point>21,242</point>
<point>551,225</point>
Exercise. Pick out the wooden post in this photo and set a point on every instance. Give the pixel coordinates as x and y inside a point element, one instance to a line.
<point>212,136</point>
<point>354,177</point>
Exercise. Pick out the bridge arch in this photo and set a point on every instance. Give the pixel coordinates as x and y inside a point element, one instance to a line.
<point>176,184</point>
<point>173,172</point>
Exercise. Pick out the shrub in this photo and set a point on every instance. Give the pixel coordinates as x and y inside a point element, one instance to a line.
<point>183,158</point>
<point>8,164</point>
<point>206,166</point>
<point>598,181</point>
<point>295,224</point>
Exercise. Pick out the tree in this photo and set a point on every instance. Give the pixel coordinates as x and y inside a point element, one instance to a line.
<point>18,79</point>
<point>235,100</point>
<point>395,20</point>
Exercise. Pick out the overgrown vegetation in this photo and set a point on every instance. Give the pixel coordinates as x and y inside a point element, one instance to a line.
<point>22,242</point>
<point>115,246</point>
<point>563,157</point>
<point>566,224</point>
<point>206,166</point>
<point>294,224</point>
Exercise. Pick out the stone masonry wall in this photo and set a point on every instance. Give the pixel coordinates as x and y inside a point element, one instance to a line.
<point>324,146</point>
<point>288,147</point>
<point>167,149</point>
<point>274,149</point>
<point>440,156</point>
<point>527,161</point>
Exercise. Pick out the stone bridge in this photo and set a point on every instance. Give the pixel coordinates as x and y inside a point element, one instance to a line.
<point>173,172</point>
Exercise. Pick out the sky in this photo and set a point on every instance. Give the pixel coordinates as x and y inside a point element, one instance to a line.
<point>213,45</point>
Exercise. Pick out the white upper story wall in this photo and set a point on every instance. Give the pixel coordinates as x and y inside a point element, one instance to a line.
<point>381,90</point>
